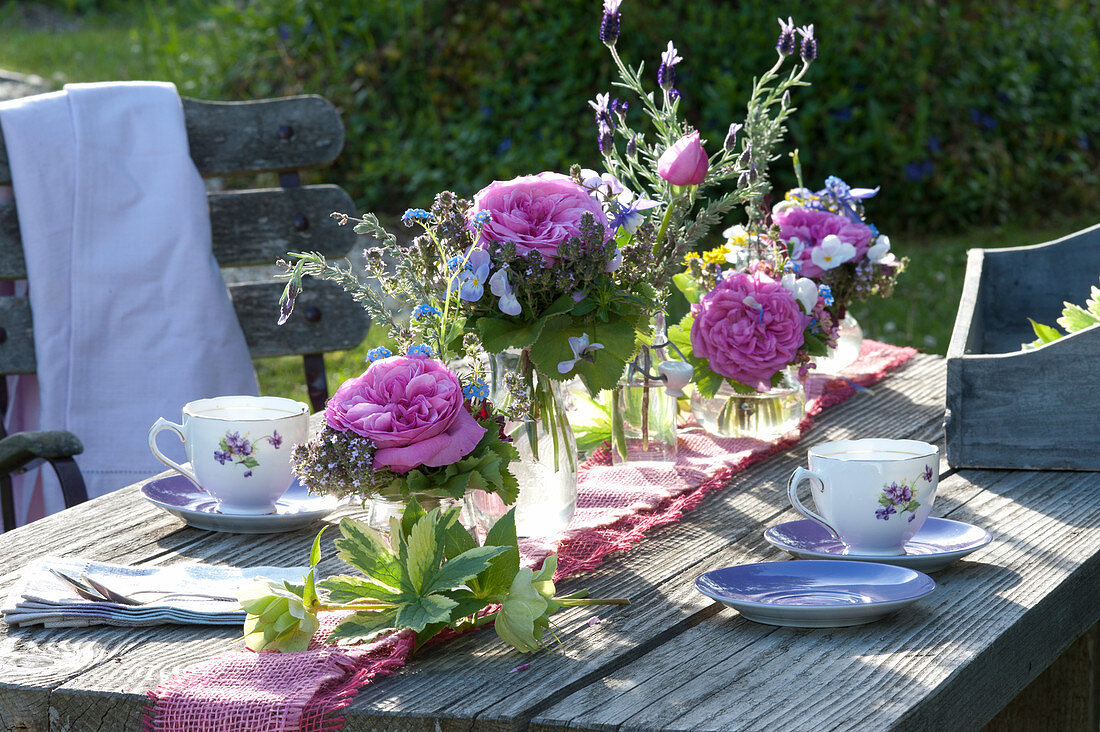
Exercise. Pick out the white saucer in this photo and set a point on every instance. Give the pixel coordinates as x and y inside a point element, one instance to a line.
<point>295,510</point>
<point>938,543</point>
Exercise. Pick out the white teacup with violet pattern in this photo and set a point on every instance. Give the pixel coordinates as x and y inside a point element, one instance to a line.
<point>873,494</point>
<point>239,448</point>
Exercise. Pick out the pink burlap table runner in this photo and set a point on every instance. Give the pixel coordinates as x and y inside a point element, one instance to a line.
<point>616,507</point>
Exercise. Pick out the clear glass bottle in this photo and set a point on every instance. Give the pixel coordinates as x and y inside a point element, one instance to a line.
<point>643,414</point>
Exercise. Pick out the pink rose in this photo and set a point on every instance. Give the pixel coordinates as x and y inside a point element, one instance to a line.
<point>749,327</point>
<point>685,163</point>
<point>411,408</point>
<point>536,212</point>
<point>811,227</point>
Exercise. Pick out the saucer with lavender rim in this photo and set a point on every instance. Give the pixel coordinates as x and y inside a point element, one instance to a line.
<point>938,543</point>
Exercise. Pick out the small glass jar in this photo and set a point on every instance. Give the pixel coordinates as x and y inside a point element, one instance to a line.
<point>848,343</point>
<point>763,416</point>
<point>643,414</point>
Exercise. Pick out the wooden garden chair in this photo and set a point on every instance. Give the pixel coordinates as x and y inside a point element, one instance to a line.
<point>249,227</point>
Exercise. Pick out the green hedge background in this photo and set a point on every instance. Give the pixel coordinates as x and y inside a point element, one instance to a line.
<point>965,113</point>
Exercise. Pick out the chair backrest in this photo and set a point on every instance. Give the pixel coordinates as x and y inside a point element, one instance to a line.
<point>250,227</point>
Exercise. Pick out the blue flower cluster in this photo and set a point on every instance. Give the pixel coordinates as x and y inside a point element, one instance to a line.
<point>826,293</point>
<point>423,310</point>
<point>376,353</point>
<point>421,349</point>
<point>476,390</point>
<point>482,218</point>
<point>415,214</point>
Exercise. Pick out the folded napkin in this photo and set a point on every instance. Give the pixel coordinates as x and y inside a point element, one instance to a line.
<point>38,597</point>
<point>131,316</point>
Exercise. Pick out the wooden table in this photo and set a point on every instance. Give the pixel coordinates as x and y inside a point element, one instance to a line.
<point>672,659</point>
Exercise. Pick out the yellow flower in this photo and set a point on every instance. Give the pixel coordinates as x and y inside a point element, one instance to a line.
<point>716,256</point>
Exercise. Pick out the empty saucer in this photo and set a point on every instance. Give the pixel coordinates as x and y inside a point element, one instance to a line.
<point>938,543</point>
<point>815,594</point>
<point>179,497</point>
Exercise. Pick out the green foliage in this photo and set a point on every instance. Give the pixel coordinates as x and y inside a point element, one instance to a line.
<point>430,575</point>
<point>963,112</point>
<point>1074,318</point>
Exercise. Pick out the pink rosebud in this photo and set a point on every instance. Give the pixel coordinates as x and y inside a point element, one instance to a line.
<point>685,163</point>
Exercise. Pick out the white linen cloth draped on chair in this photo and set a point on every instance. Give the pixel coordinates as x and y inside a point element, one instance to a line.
<point>131,316</point>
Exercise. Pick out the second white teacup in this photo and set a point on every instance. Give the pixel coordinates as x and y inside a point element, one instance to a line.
<point>873,494</point>
<point>239,448</point>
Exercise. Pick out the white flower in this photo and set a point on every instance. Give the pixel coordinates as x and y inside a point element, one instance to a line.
<point>879,249</point>
<point>832,253</point>
<point>796,248</point>
<point>803,289</point>
<point>782,206</point>
<point>615,262</point>
<point>580,346</point>
<point>604,183</point>
<point>734,232</point>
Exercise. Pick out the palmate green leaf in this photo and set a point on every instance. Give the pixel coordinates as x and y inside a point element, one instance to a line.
<point>346,587</point>
<point>421,611</point>
<point>421,554</point>
<point>1075,318</point>
<point>457,538</point>
<point>365,549</point>
<point>362,626</point>
<point>687,284</point>
<point>499,334</point>
<point>619,340</point>
<point>466,566</point>
<point>498,577</point>
<point>1093,303</point>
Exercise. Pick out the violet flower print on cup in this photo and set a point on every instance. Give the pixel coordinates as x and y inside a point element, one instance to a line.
<point>236,449</point>
<point>898,498</point>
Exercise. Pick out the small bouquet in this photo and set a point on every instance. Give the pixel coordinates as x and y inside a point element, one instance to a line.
<point>828,239</point>
<point>408,427</point>
<point>749,322</point>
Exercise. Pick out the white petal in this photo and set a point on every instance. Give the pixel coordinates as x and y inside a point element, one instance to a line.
<point>806,293</point>
<point>564,367</point>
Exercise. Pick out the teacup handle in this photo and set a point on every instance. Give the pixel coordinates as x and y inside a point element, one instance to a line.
<point>797,477</point>
<point>163,424</point>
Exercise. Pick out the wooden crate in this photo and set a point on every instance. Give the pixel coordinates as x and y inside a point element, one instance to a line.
<point>1035,409</point>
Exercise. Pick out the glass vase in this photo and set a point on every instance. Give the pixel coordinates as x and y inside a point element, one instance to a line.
<point>643,414</point>
<point>380,510</point>
<point>764,415</point>
<point>547,465</point>
<point>848,343</point>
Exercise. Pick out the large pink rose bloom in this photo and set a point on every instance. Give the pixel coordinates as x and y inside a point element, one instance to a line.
<point>748,327</point>
<point>411,408</point>
<point>811,226</point>
<point>536,212</point>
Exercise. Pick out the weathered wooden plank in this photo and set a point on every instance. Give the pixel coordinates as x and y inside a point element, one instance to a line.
<point>337,323</point>
<point>325,319</point>
<point>902,672</point>
<point>443,688</point>
<point>905,405</point>
<point>248,227</point>
<point>254,136</point>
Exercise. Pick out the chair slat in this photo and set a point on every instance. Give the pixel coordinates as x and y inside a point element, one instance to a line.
<point>341,324</point>
<point>249,227</point>
<point>254,136</point>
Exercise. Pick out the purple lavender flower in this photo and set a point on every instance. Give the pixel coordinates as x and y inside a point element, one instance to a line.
<point>928,473</point>
<point>286,302</point>
<point>604,137</point>
<point>632,147</point>
<point>603,105</point>
<point>222,457</point>
<point>809,43</point>
<point>885,512</point>
<point>248,473</point>
<point>666,72</point>
<point>276,440</point>
<point>785,45</point>
<point>731,137</point>
<point>611,23</point>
